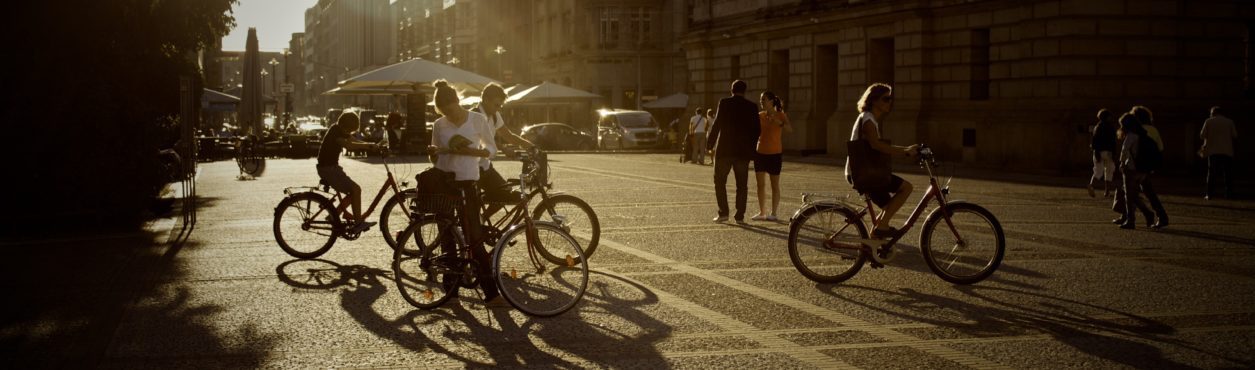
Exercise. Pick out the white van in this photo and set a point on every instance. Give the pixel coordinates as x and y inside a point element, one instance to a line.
<point>622,129</point>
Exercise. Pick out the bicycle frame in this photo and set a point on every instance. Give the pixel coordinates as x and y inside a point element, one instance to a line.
<point>935,191</point>
<point>390,183</point>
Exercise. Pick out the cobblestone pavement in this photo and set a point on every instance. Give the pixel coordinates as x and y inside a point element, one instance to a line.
<point>672,289</point>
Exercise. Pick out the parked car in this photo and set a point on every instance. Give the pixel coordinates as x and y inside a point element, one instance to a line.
<point>558,136</point>
<point>621,129</point>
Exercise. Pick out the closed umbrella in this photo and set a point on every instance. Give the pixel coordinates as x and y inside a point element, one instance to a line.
<point>250,97</point>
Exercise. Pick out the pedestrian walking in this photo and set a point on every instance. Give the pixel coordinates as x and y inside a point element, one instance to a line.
<point>698,126</point>
<point>772,123</point>
<point>1147,120</point>
<point>1103,143</point>
<point>734,136</point>
<point>1133,152</point>
<point>872,175</point>
<point>1218,134</point>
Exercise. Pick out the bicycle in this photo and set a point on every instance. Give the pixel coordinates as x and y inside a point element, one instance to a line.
<point>433,259</point>
<point>248,156</point>
<point>571,213</point>
<point>829,243</point>
<point>309,219</point>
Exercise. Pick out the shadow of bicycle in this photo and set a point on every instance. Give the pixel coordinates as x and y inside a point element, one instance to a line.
<point>609,327</point>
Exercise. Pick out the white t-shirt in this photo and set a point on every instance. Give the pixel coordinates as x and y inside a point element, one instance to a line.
<point>857,133</point>
<point>477,130</point>
<point>496,123</point>
<point>700,122</point>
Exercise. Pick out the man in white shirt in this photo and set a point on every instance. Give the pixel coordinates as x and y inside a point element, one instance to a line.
<point>697,126</point>
<point>490,103</point>
<point>1218,134</point>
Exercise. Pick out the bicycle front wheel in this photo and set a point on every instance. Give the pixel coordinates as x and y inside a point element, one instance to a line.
<point>427,277</point>
<point>575,217</point>
<point>965,247</point>
<point>396,216</point>
<point>306,225</point>
<point>823,243</point>
<point>534,284</point>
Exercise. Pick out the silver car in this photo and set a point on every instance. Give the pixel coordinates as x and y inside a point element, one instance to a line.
<point>622,129</point>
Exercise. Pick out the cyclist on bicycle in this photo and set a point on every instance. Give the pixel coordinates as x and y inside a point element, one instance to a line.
<point>338,138</point>
<point>491,100</point>
<point>876,103</point>
<point>459,140</point>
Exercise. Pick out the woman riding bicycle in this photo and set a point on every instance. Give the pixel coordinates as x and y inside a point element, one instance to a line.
<point>459,140</point>
<point>874,106</point>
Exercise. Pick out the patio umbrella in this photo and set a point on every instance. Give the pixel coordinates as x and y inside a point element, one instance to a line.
<point>679,100</point>
<point>409,77</point>
<point>250,97</point>
<point>547,94</point>
<point>215,101</point>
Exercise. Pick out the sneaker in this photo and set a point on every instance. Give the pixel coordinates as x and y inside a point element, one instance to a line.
<point>759,218</point>
<point>720,219</point>
<point>362,226</point>
<point>772,218</point>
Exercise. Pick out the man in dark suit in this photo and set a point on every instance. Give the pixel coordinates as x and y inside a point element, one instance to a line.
<point>734,137</point>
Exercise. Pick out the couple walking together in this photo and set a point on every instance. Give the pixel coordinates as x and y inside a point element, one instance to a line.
<point>741,133</point>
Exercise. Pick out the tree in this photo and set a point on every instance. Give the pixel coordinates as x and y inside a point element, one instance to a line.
<point>96,82</point>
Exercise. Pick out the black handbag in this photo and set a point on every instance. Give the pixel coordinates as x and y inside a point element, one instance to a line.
<point>870,169</point>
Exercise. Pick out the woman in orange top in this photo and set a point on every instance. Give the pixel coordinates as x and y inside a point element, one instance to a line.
<point>773,121</point>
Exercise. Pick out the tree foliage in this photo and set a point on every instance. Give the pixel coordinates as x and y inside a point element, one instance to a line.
<point>97,84</point>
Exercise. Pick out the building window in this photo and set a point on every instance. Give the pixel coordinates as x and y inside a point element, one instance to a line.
<point>609,30</point>
<point>880,61</point>
<point>639,26</point>
<point>778,80</point>
<point>980,64</point>
<point>969,138</point>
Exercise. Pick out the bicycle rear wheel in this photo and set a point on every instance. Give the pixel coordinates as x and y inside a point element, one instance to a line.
<point>425,276</point>
<point>969,252</point>
<point>822,243</point>
<point>575,217</point>
<point>306,225</point>
<point>533,284</point>
<point>395,216</point>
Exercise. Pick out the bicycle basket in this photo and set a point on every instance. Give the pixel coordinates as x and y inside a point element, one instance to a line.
<point>428,203</point>
<point>537,166</point>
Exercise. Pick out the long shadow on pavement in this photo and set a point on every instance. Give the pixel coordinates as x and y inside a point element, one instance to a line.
<point>1066,321</point>
<point>514,342</point>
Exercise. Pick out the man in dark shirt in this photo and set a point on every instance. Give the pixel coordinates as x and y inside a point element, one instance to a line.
<point>337,138</point>
<point>1104,144</point>
<point>734,137</point>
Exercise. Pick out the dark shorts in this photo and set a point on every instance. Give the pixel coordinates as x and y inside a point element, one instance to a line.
<point>769,163</point>
<point>880,197</point>
<point>335,176</point>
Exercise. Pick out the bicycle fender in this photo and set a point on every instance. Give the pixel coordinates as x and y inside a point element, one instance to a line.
<point>810,206</point>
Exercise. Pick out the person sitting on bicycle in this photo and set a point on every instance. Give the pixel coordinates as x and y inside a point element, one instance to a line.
<point>876,103</point>
<point>491,100</point>
<point>338,138</point>
<point>459,140</point>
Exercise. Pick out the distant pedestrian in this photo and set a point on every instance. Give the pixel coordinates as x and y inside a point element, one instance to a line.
<point>672,132</point>
<point>1147,119</point>
<point>1218,134</point>
<point>772,122</point>
<point>392,136</point>
<point>1103,143</point>
<point>734,136</point>
<point>697,127</point>
<point>1136,143</point>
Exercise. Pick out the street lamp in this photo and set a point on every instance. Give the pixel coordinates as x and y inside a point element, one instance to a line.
<point>500,61</point>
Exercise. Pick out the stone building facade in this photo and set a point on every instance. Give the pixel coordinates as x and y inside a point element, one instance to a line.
<point>344,38</point>
<point>1006,84</point>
